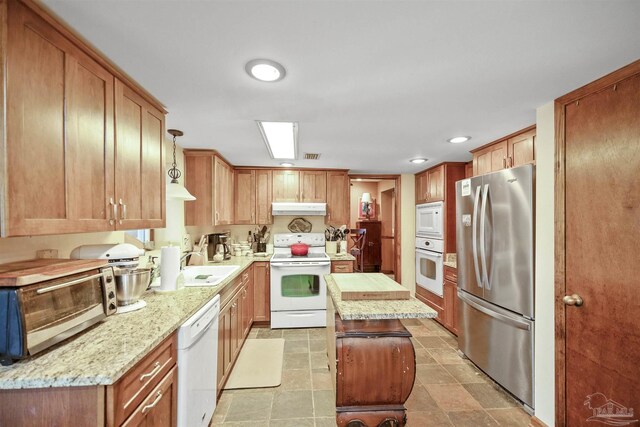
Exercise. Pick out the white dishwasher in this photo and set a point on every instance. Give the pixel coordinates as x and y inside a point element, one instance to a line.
<point>198,366</point>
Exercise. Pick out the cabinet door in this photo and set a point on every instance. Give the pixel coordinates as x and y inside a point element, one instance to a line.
<point>247,305</point>
<point>286,186</point>
<point>245,197</point>
<point>160,408</point>
<point>422,189</point>
<point>140,179</point>
<point>436,184</point>
<point>261,292</point>
<point>468,170</point>
<point>59,133</point>
<point>490,159</point>
<point>520,149</point>
<point>198,179</point>
<point>313,186</point>
<point>449,296</point>
<point>263,197</point>
<point>224,345</point>
<point>236,325</point>
<point>223,193</point>
<point>337,198</point>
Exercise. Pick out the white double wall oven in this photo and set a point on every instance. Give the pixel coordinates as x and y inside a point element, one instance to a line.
<point>430,246</point>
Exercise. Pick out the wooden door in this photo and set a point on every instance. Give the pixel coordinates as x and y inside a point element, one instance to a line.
<point>373,246</point>
<point>223,193</point>
<point>198,180</point>
<point>520,149</point>
<point>338,198</point>
<point>449,297</point>
<point>263,197</point>
<point>597,235</point>
<point>160,408</point>
<point>140,169</point>
<point>261,292</point>
<point>59,133</point>
<point>436,184</point>
<point>245,197</point>
<point>286,186</point>
<point>387,218</point>
<point>422,187</point>
<point>468,170</point>
<point>313,186</point>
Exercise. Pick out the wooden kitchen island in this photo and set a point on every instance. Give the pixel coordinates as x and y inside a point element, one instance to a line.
<point>371,356</point>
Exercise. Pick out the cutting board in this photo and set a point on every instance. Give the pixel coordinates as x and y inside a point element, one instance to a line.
<point>369,286</point>
<point>23,273</point>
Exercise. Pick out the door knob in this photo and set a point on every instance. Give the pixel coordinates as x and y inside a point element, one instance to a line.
<point>574,299</point>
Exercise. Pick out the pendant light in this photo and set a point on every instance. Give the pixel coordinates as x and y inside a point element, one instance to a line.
<point>174,189</point>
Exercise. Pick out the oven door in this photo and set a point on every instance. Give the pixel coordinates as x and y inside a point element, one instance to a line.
<point>430,220</point>
<point>429,270</point>
<point>299,286</point>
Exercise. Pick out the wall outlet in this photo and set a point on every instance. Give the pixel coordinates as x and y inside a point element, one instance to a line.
<point>187,243</point>
<point>47,253</point>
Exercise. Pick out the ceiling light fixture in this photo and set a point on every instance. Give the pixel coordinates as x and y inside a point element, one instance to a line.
<point>418,160</point>
<point>265,70</point>
<point>174,189</point>
<point>459,139</point>
<point>281,139</point>
<point>286,164</point>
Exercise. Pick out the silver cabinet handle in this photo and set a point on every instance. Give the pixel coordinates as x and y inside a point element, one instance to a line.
<point>123,211</point>
<point>574,299</point>
<point>67,284</point>
<point>152,404</point>
<point>156,368</point>
<point>114,211</point>
<point>217,216</point>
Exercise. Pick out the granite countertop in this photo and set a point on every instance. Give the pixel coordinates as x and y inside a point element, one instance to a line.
<point>106,351</point>
<point>451,260</point>
<point>341,257</point>
<point>376,309</point>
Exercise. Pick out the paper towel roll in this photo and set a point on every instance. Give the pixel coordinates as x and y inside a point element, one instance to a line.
<point>169,268</point>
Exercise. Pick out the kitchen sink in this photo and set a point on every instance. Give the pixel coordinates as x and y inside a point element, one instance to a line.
<point>207,275</point>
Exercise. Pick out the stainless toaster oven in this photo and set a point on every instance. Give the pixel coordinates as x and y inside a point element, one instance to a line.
<point>50,306</point>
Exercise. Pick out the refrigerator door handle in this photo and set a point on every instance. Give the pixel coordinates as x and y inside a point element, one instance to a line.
<point>474,240</point>
<point>483,254</point>
<point>520,324</point>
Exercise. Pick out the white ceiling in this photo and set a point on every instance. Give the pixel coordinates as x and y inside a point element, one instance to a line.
<point>372,83</point>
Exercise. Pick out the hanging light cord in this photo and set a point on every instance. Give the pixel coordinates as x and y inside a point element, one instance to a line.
<point>174,172</point>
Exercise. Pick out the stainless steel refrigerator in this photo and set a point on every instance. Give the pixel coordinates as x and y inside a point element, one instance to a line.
<point>495,242</point>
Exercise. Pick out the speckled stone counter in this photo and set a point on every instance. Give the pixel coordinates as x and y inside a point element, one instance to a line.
<point>341,257</point>
<point>450,260</point>
<point>379,309</point>
<point>103,353</point>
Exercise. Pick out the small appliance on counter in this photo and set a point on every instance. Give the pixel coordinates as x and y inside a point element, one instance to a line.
<point>218,243</point>
<point>45,301</point>
<point>131,282</point>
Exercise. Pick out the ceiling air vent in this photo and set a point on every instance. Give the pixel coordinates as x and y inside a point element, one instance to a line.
<point>311,156</point>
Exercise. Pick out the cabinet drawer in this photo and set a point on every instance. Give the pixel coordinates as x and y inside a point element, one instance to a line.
<point>133,388</point>
<point>159,409</point>
<point>342,267</point>
<point>451,274</point>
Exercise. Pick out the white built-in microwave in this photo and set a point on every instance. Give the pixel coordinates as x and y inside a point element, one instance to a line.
<point>430,220</point>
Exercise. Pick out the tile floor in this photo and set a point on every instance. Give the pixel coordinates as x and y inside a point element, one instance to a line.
<point>448,391</point>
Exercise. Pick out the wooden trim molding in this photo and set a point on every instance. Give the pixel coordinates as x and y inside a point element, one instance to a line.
<point>560,227</point>
<point>535,422</point>
<point>439,164</point>
<point>504,138</point>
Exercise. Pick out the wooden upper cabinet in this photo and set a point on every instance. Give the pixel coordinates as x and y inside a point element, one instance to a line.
<point>513,150</point>
<point>223,194</point>
<point>337,198</point>
<point>263,196</point>
<point>140,179</point>
<point>430,185</point>
<point>468,170</point>
<point>245,196</point>
<point>211,181</point>
<point>313,186</point>
<point>286,185</point>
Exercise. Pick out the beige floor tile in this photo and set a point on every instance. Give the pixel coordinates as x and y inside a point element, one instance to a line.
<point>490,396</point>
<point>433,342</point>
<point>446,356</point>
<point>269,333</point>
<point>512,417</point>
<point>292,404</point>
<point>250,407</point>
<point>423,357</point>
<point>420,331</point>
<point>434,418</point>
<point>465,373</point>
<point>296,346</point>
<point>471,419</point>
<point>296,422</point>
<point>317,333</point>
<point>452,397</point>
<point>244,424</point>
<point>319,361</point>
<point>295,334</point>
<point>411,322</point>
<point>326,422</point>
<point>296,361</point>
<point>296,379</point>
<point>416,343</point>
<point>324,403</point>
<point>321,379</point>
<point>318,345</point>
<point>433,374</point>
<point>452,341</point>
<point>420,400</point>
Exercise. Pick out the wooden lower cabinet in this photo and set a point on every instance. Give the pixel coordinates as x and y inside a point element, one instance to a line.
<point>342,266</point>
<point>261,292</point>
<point>160,409</point>
<point>447,305</point>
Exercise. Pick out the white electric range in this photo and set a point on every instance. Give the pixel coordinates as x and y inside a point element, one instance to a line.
<point>298,288</point>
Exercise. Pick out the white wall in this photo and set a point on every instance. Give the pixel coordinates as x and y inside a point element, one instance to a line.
<point>544,270</point>
<point>408,231</point>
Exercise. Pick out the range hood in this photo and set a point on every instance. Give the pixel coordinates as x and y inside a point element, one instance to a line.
<point>300,209</point>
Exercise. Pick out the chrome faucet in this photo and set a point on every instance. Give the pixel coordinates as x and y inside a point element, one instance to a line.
<point>185,259</point>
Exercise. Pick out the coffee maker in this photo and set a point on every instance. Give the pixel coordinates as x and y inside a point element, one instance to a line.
<point>216,239</point>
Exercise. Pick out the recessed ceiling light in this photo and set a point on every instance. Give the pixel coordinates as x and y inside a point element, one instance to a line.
<point>286,164</point>
<point>265,70</point>
<point>281,139</point>
<point>459,139</point>
<point>418,160</point>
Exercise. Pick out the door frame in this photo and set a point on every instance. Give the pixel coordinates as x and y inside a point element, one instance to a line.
<point>397,238</point>
<point>560,230</point>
